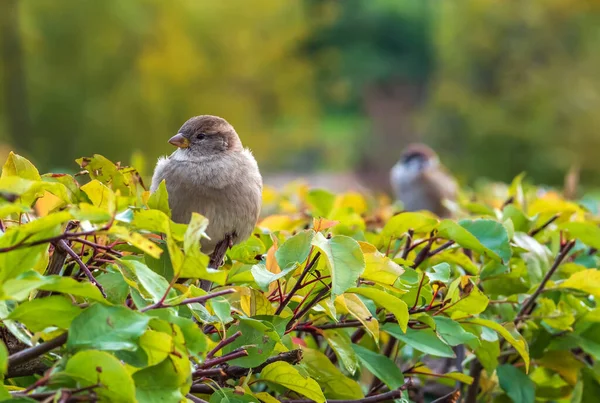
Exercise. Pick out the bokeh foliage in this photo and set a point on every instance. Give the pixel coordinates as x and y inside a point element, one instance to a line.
<point>333,297</point>
<point>497,87</point>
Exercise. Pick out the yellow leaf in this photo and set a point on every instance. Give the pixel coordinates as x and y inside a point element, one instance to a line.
<point>284,374</point>
<point>586,281</point>
<point>355,307</point>
<point>520,345</point>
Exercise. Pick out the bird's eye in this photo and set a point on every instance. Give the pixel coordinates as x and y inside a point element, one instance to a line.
<point>200,136</point>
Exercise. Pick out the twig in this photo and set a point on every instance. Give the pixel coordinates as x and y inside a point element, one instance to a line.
<point>195,399</point>
<point>308,306</point>
<point>161,304</point>
<point>441,248</point>
<point>223,358</point>
<point>475,373</point>
<point>293,357</point>
<point>391,395</point>
<point>61,244</point>
<point>298,284</point>
<point>528,305</point>
<point>407,246</point>
<point>222,344</point>
<point>536,231</point>
<point>423,253</point>
<point>35,351</point>
<point>64,235</point>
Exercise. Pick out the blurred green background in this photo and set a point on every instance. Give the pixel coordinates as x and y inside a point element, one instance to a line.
<point>497,87</point>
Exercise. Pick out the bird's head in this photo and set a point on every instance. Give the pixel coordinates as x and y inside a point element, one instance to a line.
<point>206,136</point>
<point>418,157</point>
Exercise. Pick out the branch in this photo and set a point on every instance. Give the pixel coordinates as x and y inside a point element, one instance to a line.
<point>423,253</point>
<point>536,231</point>
<point>308,306</point>
<point>222,344</point>
<point>391,395</point>
<point>475,373</point>
<point>30,353</point>
<point>64,246</point>
<point>161,304</point>
<point>528,305</point>
<point>441,248</point>
<point>64,235</point>
<point>298,284</point>
<point>222,359</point>
<point>228,372</point>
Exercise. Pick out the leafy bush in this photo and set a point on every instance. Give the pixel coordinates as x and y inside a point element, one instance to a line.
<point>334,297</point>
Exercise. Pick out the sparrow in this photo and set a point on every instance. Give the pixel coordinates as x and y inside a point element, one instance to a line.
<point>420,182</point>
<point>211,173</point>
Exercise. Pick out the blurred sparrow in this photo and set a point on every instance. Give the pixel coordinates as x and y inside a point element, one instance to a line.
<point>420,182</point>
<point>211,173</point>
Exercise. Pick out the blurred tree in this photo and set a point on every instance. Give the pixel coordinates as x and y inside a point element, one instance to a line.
<point>14,88</point>
<point>517,88</point>
<point>374,59</point>
<point>113,76</point>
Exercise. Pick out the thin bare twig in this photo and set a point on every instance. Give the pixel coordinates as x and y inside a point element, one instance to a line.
<point>161,304</point>
<point>61,244</point>
<point>298,284</point>
<point>222,344</point>
<point>30,353</point>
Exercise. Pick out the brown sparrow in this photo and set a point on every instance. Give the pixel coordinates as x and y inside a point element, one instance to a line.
<point>420,182</point>
<point>211,173</point>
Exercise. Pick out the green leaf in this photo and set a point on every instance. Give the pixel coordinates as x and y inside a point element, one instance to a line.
<point>519,345</point>
<point>168,381</point>
<point>3,360</point>
<point>320,201</point>
<point>399,224</point>
<point>284,374</point>
<point>20,287</point>
<point>334,384</point>
<point>227,395</point>
<point>345,260</point>
<point>99,368</point>
<point>586,232</point>
<point>255,339</point>
<point>247,251</point>
<point>424,340</point>
<point>106,172</point>
<point>381,366</point>
<point>455,232</point>
<point>387,301</point>
<point>39,314</point>
<point>157,345</point>
<point>159,200</point>
<point>441,272</point>
<point>464,298</point>
<point>487,353</point>
<point>109,328</point>
<point>152,284</point>
<point>516,384</point>
<point>16,165</point>
<point>295,249</point>
<point>341,344</point>
<point>491,234</point>
<point>264,277</point>
<point>453,333</point>
<point>195,263</point>
<point>195,339</point>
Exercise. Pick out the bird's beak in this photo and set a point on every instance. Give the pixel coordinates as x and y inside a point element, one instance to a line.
<point>179,141</point>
